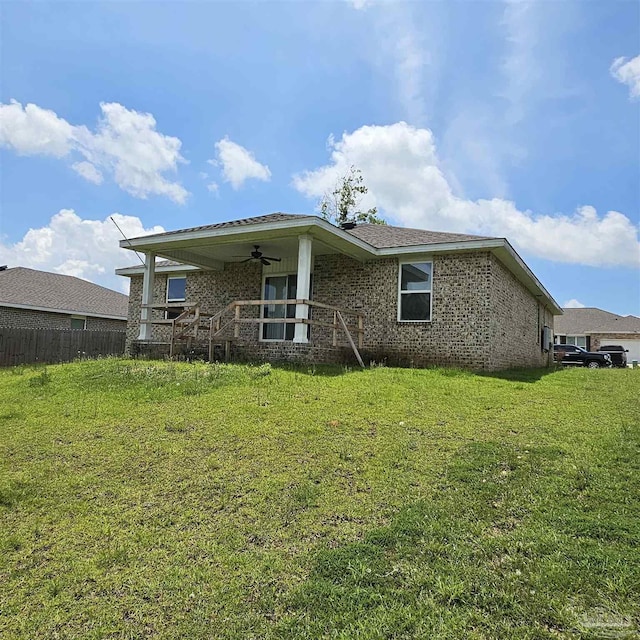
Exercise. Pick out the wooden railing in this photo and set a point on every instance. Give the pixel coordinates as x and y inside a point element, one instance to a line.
<point>192,319</point>
<point>218,323</point>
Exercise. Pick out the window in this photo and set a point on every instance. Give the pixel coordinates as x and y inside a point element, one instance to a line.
<point>176,292</point>
<point>78,322</point>
<point>579,341</point>
<point>414,296</point>
<point>282,287</point>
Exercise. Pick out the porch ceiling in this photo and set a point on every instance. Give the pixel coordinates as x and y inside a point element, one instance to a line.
<point>211,255</point>
<point>211,249</point>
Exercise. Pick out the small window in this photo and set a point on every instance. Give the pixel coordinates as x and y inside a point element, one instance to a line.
<point>176,289</point>
<point>79,322</point>
<point>176,292</point>
<point>579,341</point>
<point>414,304</point>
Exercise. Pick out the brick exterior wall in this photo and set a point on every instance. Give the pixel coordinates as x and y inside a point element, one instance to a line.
<point>516,322</point>
<point>482,316</point>
<point>31,319</point>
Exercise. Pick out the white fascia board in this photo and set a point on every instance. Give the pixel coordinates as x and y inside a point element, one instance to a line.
<point>442,247</point>
<point>172,268</point>
<point>556,309</point>
<point>148,242</point>
<point>499,246</point>
<point>344,241</point>
<point>70,312</point>
<point>238,234</point>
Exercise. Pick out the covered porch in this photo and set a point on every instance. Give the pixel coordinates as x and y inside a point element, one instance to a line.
<point>272,261</point>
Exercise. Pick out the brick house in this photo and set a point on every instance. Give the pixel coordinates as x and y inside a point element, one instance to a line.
<point>35,299</point>
<point>295,287</point>
<point>592,328</point>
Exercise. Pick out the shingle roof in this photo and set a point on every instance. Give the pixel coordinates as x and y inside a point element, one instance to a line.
<point>22,286</point>
<point>379,236</point>
<point>593,320</point>
<point>383,236</point>
<point>244,222</point>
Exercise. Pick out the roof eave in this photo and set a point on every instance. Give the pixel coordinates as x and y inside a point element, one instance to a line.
<point>499,246</point>
<point>321,229</point>
<point>89,314</point>
<point>137,270</point>
<point>163,245</point>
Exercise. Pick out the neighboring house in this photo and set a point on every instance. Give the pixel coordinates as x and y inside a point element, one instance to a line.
<point>422,298</point>
<point>592,328</point>
<point>42,300</point>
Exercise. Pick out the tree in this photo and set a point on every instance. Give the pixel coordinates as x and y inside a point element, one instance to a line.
<point>341,204</point>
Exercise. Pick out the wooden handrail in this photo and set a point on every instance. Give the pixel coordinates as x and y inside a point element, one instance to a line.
<point>311,303</point>
<point>188,322</point>
<point>216,327</point>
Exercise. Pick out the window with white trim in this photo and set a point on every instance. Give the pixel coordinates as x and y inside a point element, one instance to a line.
<point>176,292</point>
<point>414,291</point>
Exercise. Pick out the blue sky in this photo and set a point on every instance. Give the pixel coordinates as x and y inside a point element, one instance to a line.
<point>515,119</point>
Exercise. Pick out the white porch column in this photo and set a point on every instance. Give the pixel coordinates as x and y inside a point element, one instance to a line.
<point>304,280</point>
<point>147,295</point>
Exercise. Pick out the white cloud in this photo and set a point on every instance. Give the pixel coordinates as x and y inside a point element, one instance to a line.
<point>239,164</point>
<point>573,304</point>
<point>213,187</point>
<point>401,168</point>
<point>74,246</point>
<point>88,171</point>
<point>125,144</point>
<point>34,131</point>
<point>628,72</point>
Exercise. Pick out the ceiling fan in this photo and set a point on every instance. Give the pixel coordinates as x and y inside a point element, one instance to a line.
<point>256,254</point>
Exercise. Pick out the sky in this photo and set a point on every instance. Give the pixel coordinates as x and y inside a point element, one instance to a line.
<point>512,119</point>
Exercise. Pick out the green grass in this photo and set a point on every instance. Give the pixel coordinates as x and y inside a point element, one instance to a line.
<point>159,500</point>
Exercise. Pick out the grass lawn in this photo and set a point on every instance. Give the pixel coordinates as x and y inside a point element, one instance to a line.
<point>162,500</point>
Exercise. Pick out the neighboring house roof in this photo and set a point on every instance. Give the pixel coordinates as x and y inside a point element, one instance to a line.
<point>24,288</point>
<point>211,246</point>
<point>587,320</point>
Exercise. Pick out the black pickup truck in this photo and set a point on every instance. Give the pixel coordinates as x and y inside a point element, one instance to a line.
<point>617,353</point>
<point>569,354</point>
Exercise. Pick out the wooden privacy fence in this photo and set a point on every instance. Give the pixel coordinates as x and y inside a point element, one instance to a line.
<point>26,346</point>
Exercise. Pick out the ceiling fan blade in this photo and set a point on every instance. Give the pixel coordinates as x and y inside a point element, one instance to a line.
<point>247,260</point>
<point>265,262</point>
<point>272,259</point>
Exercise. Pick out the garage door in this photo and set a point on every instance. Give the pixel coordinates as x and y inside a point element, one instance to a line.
<point>633,346</point>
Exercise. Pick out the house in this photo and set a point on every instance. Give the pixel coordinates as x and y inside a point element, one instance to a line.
<point>41,300</point>
<point>592,328</point>
<point>295,287</point>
